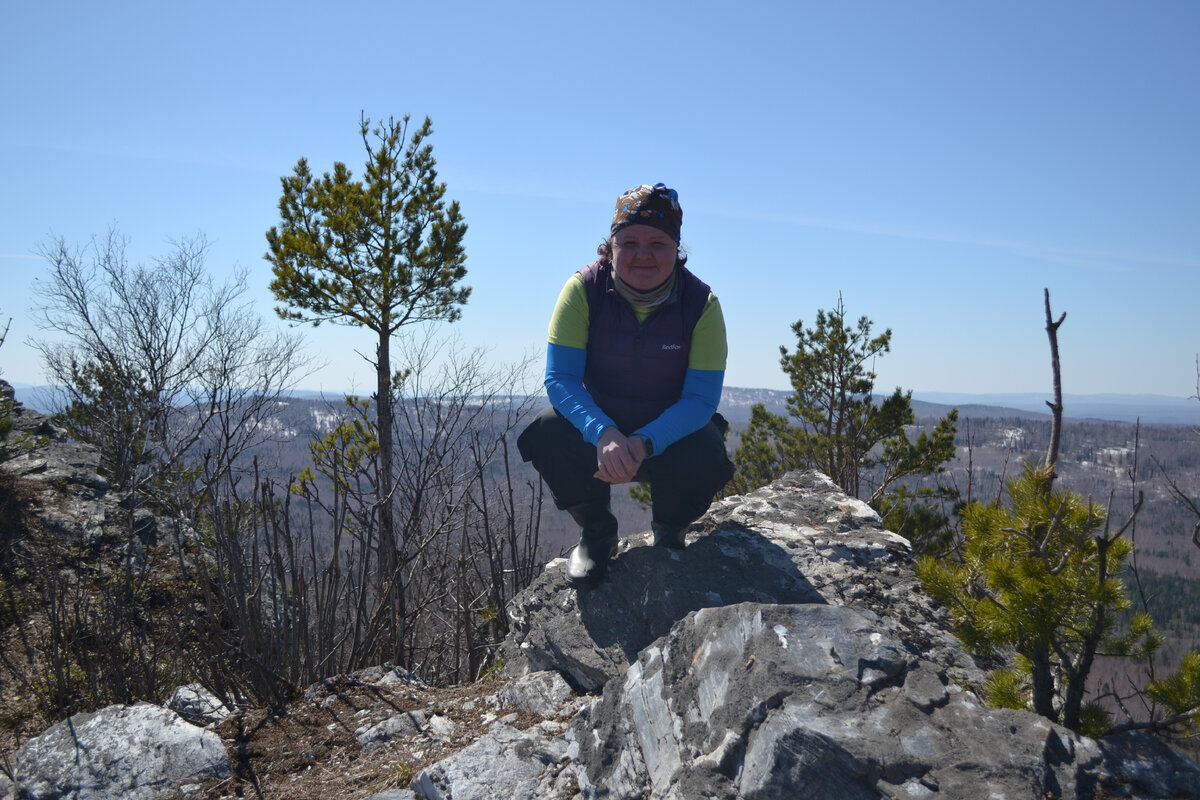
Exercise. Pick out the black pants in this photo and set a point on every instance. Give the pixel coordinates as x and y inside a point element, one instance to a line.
<point>683,478</point>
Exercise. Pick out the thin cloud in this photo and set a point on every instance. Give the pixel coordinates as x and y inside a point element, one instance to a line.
<point>207,158</point>
<point>465,184</point>
<point>1089,259</point>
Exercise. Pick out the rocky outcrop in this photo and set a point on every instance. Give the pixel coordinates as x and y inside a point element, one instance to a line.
<point>71,499</point>
<point>760,701</point>
<point>133,752</point>
<point>799,541</point>
<point>788,651</point>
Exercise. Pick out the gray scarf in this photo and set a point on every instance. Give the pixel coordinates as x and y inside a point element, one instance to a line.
<point>648,298</point>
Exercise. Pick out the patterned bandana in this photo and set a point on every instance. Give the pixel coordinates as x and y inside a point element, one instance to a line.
<point>656,206</point>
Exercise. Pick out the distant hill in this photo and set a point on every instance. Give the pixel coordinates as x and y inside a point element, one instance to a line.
<point>737,401</point>
<point>1149,408</point>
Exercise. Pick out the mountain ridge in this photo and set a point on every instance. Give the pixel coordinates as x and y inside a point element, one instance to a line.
<point>736,402</point>
<point>1148,408</point>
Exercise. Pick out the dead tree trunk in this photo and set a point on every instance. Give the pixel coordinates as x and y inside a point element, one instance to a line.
<point>1056,407</point>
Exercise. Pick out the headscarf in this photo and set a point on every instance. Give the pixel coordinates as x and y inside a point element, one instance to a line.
<point>656,206</point>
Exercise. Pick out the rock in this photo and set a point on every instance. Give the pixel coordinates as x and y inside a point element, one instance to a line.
<point>132,752</point>
<point>442,728</point>
<point>799,540</point>
<point>404,724</point>
<point>335,686</point>
<point>788,651</point>
<point>762,701</point>
<point>505,762</point>
<point>197,705</point>
<point>543,693</point>
<point>73,500</point>
<point>386,675</point>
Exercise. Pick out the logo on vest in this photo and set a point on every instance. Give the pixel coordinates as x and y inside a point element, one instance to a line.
<point>672,347</point>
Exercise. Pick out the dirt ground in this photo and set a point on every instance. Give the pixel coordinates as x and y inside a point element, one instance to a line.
<point>310,750</point>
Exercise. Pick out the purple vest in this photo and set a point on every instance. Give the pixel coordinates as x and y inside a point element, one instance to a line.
<point>635,372</point>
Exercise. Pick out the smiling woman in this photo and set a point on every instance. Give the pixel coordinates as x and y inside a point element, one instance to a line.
<point>634,369</point>
<point>644,257</point>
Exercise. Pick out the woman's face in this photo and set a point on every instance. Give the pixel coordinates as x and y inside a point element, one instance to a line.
<point>643,256</point>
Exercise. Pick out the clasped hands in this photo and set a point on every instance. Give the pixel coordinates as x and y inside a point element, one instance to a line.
<point>618,456</point>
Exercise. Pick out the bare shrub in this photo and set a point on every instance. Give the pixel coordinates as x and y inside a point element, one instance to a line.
<point>291,576</point>
<point>158,365</point>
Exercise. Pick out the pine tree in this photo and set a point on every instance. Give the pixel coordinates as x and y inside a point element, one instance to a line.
<point>1037,582</point>
<point>1038,578</point>
<point>379,253</point>
<point>841,429</point>
<point>115,410</point>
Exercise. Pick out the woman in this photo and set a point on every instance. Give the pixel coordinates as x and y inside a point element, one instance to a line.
<point>634,369</point>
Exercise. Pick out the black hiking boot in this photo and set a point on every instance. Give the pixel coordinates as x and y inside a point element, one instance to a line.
<point>588,562</point>
<point>668,537</point>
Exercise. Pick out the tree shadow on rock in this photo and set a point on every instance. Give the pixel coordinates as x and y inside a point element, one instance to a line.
<point>649,589</point>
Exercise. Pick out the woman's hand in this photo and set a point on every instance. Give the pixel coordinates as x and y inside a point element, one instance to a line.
<point>618,456</point>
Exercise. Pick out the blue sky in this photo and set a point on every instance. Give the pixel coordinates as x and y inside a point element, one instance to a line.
<point>937,164</point>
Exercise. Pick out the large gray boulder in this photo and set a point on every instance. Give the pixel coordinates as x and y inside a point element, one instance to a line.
<point>132,752</point>
<point>504,763</point>
<point>760,701</point>
<point>799,540</point>
<point>788,651</point>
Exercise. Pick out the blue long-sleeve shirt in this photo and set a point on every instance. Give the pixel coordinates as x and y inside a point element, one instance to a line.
<point>566,360</point>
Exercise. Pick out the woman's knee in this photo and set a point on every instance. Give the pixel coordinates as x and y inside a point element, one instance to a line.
<point>549,430</point>
<point>699,460</point>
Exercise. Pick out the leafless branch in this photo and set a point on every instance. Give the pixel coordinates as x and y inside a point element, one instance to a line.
<point>1156,724</point>
<point>1056,407</point>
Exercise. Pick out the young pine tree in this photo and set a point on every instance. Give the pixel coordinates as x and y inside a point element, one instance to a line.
<point>836,425</point>
<point>379,252</point>
<point>1037,582</point>
<point>1038,578</point>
